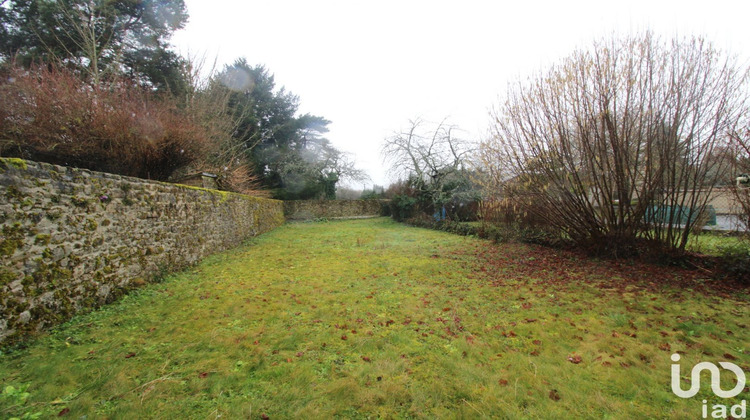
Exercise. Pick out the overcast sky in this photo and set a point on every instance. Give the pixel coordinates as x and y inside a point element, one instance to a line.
<point>370,67</point>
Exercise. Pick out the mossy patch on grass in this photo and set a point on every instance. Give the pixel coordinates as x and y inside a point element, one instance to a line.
<point>370,318</point>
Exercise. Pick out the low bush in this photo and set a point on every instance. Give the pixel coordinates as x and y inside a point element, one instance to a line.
<point>385,208</point>
<point>49,114</point>
<point>403,207</point>
<point>458,228</point>
<point>735,261</point>
<point>519,233</point>
<point>518,217</point>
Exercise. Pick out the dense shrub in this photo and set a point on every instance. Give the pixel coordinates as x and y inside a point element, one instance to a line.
<point>498,233</point>
<point>403,207</point>
<point>458,228</point>
<point>49,114</point>
<point>464,211</point>
<point>735,261</point>
<point>385,208</point>
<point>518,217</point>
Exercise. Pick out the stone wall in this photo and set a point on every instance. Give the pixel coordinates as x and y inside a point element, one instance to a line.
<point>333,209</point>
<point>74,239</point>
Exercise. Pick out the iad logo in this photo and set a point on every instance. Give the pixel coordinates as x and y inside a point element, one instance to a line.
<point>718,410</point>
<point>695,379</point>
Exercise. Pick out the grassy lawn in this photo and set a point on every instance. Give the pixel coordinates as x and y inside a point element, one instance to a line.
<point>711,243</point>
<point>370,318</point>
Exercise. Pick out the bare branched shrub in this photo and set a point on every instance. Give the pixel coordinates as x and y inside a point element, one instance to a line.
<point>240,178</point>
<point>49,114</point>
<point>207,104</point>
<point>613,144</point>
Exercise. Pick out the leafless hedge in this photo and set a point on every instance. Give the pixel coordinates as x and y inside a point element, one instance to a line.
<point>609,145</point>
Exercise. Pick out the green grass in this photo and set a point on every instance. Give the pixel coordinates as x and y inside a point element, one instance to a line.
<point>370,318</point>
<point>711,243</point>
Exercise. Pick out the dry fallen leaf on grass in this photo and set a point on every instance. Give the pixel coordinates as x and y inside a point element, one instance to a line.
<point>575,359</point>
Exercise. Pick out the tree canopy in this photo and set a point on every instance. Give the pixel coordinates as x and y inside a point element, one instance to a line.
<point>288,151</point>
<point>97,37</point>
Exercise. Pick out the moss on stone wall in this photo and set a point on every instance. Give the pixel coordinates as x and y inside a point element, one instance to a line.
<point>12,239</point>
<point>6,163</point>
<point>74,239</point>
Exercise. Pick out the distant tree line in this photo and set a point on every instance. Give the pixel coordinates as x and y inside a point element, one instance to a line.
<point>95,84</point>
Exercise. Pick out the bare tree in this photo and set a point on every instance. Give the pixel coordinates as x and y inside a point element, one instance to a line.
<point>617,143</point>
<point>81,26</point>
<point>428,157</point>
